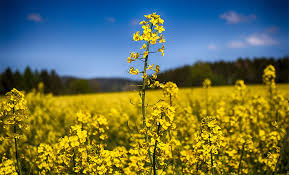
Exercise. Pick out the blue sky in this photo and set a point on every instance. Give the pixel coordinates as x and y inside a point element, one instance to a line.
<point>93,38</point>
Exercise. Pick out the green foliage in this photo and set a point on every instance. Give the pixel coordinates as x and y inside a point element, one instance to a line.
<point>53,83</point>
<point>80,86</point>
<point>200,71</point>
<point>227,72</point>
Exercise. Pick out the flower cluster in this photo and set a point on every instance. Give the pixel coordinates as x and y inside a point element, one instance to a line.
<point>152,27</point>
<point>269,75</point>
<point>240,91</point>
<point>7,166</point>
<point>207,83</point>
<point>162,116</point>
<point>14,111</point>
<point>170,90</point>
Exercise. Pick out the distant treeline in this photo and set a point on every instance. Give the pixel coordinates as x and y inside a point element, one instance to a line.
<point>227,72</point>
<point>220,73</point>
<point>53,83</point>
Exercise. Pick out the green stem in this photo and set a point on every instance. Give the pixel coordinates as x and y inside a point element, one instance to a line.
<point>16,155</point>
<point>143,100</point>
<point>271,100</point>
<point>154,158</point>
<point>143,94</point>
<point>18,168</point>
<point>155,150</point>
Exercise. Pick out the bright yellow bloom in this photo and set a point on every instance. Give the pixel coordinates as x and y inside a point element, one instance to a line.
<point>136,36</point>
<point>145,54</point>
<point>207,83</point>
<point>269,74</point>
<point>148,16</point>
<point>157,69</point>
<point>7,166</point>
<point>143,46</point>
<point>162,39</point>
<point>144,76</point>
<point>151,67</point>
<point>160,29</point>
<point>161,21</point>
<point>133,71</point>
<point>129,59</point>
<point>142,22</point>
<point>170,89</point>
<point>134,55</point>
<point>162,50</point>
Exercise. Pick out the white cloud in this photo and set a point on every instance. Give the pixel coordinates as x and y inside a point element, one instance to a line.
<point>233,17</point>
<point>261,40</point>
<point>212,47</point>
<point>110,19</point>
<point>236,44</point>
<point>35,17</point>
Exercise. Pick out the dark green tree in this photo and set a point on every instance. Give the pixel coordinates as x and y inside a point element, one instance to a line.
<point>7,81</point>
<point>28,79</point>
<point>55,83</point>
<point>44,77</point>
<point>19,81</point>
<point>80,86</point>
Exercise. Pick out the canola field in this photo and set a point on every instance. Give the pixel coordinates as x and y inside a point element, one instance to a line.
<point>209,130</point>
<point>228,130</point>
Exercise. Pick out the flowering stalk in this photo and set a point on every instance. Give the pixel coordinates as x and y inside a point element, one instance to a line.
<point>155,148</point>
<point>206,84</point>
<point>14,118</point>
<point>269,76</point>
<point>143,98</point>
<point>17,167</point>
<point>170,135</point>
<point>160,122</point>
<point>212,159</point>
<point>151,27</point>
<point>144,89</point>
